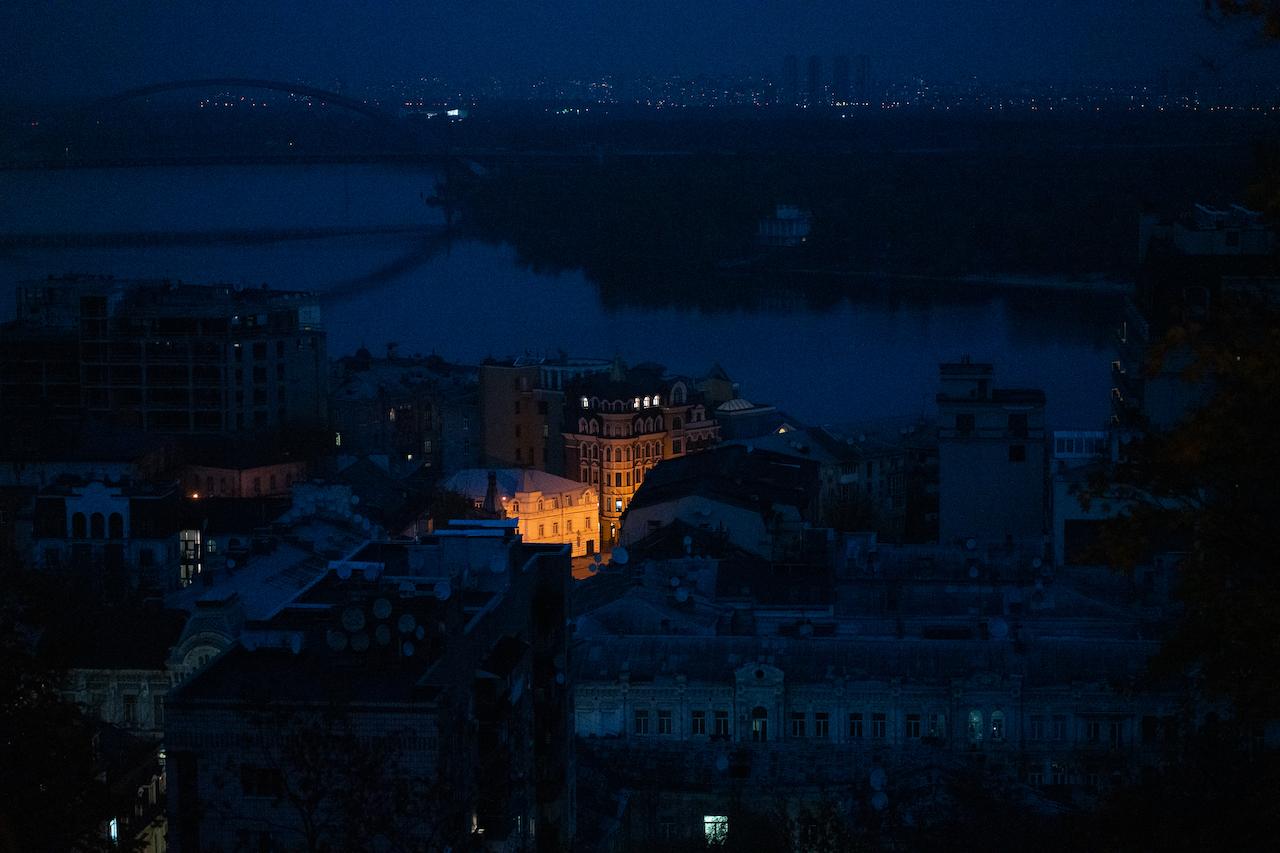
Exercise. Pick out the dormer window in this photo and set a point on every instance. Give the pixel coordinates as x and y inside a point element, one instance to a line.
<point>655,400</point>
<point>646,402</point>
<point>585,403</point>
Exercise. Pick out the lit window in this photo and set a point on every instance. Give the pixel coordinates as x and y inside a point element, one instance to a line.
<point>655,399</point>
<point>585,403</point>
<point>646,402</point>
<point>997,725</point>
<point>617,505</point>
<point>337,439</point>
<point>975,726</point>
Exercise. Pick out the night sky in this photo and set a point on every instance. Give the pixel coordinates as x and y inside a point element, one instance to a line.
<point>68,49</point>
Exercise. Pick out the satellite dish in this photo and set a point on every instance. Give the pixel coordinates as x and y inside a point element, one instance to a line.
<point>878,779</point>
<point>675,580</point>
<point>682,595</point>
<point>407,648</point>
<point>879,800</point>
<point>365,524</point>
<point>497,565</point>
<point>407,589</point>
<point>383,634</point>
<point>688,540</point>
<point>973,571</point>
<point>371,571</point>
<point>238,287</point>
<point>353,619</point>
<point>559,678</point>
<point>417,560</point>
<point>595,558</point>
<point>344,571</point>
<point>337,640</point>
<point>406,623</point>
<point>231,563</point>
<point>619,555</point>
<point>722,764</point>
<point>382,608</point>
<point>357,518</point>
<point>355,499</point>
<point>970,544</point>
<point>359,641</point>
<point>998,627</point>
<point>419,632</point>
<point>442,590</point>
<point>1036,563</point>
<point>295,645</point>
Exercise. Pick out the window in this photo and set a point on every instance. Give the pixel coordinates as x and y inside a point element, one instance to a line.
<point>1059,774</point>
<point>1093,730</point>
<point>130,718</point>
<point>677,446</point>
<point>722,723</point>
<point>797,724</point>
<point>715,828</point>
<point>937,725</point>
<point>966,422</point>
<point>568,525</point>
<point>997,725</point>
<point>517,412</point>
<point>879,725</point>
<point>555,528</point>
<point>975,726</point>
<point>664,722</point>
<point>157,710</point>
<point>1035,779</point>
<point>698,725</point>
<point>913,725</point>
<point>1017,453</point>
<point>617,505</point>
<point>584,402</point>
<point>541,531</point>
<point>759,725</point>
<point>1059,726</point>
<point>855,725</point>
<point>617,480</point>
<point>1115,733</point>
<point>821,724</point>
<point>642,722</point>
<point>1037,727</point>
<point>260,781</point>
<point>1018,425</point>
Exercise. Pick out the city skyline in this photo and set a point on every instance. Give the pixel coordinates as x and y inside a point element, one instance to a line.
<point>74,49</point>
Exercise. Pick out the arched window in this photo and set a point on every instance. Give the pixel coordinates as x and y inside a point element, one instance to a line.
<point>997,725</point>
<point>648,451</point>
<point>539,506</point>
<point>759,724</point>
<point>586,497</point>
<point>595,427</point>
<point>646,402</point>
<point>657,424</point>
<point>648,425</point>
<point>115,526</point>
<point>78,528</point>
<point>595,452</point>
<point>583,478</point>
<point>975,726</point>
<point>582,424</point>
<point>655,400</point>
<point>608,454</point>
<point>515,506</point>
<point>97,526</point>
<point>639,426</point>
<point>677,393</point>
<point>675,422</point>
<point>628,454</point>
<point>584,402</point>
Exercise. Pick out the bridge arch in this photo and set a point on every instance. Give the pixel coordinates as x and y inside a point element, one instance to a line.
<point>373,112</point>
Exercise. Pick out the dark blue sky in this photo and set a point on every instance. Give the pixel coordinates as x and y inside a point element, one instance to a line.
<point>59,48</point>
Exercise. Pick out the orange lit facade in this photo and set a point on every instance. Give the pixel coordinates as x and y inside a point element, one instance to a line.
<point>619,425</point>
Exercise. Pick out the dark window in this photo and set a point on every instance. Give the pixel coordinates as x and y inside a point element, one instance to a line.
<point>1017,453</point>
<point>260,350</point>
<point>913,725</point>
<point>130,718</point>
<point>279,349</point>
<point>797,724</point>
<point>642,722</point>
<point>722,723</point>
<point>879,725</point>
<point>1018,426</point>
<point>699,723</point>
<point>855,725</point>
<point>664,722</point>
<point>966,422</point>
<point>821,724</point>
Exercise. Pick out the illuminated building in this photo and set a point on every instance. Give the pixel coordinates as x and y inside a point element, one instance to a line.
<point>164,356</point>
<point>619,425</point>
<point>548,509</point>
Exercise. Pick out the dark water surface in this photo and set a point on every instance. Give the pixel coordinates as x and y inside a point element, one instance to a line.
<point>872,355</point>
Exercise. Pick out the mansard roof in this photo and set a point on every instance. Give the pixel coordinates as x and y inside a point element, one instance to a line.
<point>1044,663</point>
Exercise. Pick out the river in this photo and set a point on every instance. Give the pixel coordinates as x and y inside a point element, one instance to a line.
<point>393,278</point>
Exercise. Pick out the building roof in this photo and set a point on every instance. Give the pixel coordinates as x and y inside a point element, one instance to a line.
<point>474,483</point>
<point>817,660</point>
<point>735,474</point>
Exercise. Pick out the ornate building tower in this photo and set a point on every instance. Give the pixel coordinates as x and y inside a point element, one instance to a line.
<point>619,425</point>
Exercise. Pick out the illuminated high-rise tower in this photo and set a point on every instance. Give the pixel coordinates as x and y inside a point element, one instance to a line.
<point>815,81</point>
<point>840,80</point>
